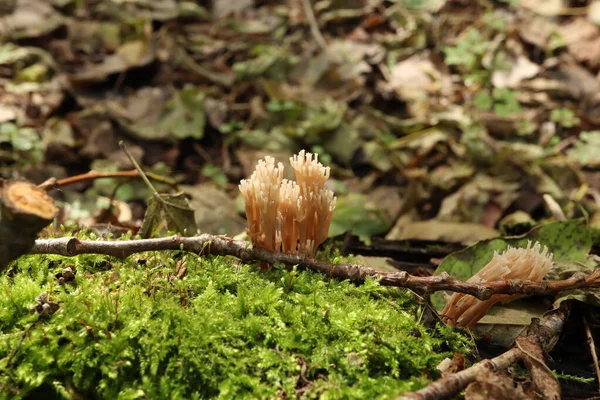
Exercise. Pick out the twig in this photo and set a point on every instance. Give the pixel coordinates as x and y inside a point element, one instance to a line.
<point>21,340</point>
<point>155,194</point>
<point>455,383</point>
<point>140,172</point>
<point>314,25</point>
<point>224,246</point>
<point>53,183</point>
<point>591,343</point>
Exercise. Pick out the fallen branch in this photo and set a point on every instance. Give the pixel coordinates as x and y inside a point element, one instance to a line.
<point>206,244</point>
<point>453,384</point>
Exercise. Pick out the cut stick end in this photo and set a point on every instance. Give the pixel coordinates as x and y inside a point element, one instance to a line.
<point>26,198</point>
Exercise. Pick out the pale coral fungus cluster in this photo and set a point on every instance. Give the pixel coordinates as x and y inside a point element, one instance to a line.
<point>531,263</point>
<point>288,216</point>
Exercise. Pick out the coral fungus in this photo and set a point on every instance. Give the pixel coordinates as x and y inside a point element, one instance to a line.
<point>288,216</point>
<point>515,263</point>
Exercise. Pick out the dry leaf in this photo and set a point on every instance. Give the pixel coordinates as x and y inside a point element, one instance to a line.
<point>583,41</point>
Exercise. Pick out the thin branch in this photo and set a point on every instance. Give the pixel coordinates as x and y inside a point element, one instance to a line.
<point>140,172</point>
<point>453,384</point>
<point>592,345</point>
<point>314,25</point>
<point>221,245</point>
<point>24,334</point>
<point>53,183</point>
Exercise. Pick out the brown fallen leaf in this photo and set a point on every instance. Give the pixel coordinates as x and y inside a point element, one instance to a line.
<point>454,232</point>
<point>583,41</point>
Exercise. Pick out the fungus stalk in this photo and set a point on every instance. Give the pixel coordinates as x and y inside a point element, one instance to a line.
<point>292,217</point>
<point>515,263</point>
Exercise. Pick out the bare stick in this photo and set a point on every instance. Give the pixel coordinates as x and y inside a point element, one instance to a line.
<point>453,384</point>
<point>224,246</point>
<point>591,343</point>
<point>53,183</point>
<point>314,25</point>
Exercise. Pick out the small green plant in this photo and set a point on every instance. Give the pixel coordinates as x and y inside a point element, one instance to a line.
<point>353,213</point>
<point>573,378</point>
<point>506,102</point>
<point>215,174</point>
<point>230,127</point>
<point>555,42</point>
<point>503,101</point>
<point>483,101</point>
<point>270,61</point>
<point>564,117</point>
<point>525,127</point>
<point>231,130</point>
<point>324,157</point>
<point>467,54</point>
<point>467,51</point>
<point>289,110</point>
<point>585,149</point>
<point>25,146</point>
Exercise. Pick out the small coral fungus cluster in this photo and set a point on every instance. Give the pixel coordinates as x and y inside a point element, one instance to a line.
<point>515,263</point>
<point>288,216</point>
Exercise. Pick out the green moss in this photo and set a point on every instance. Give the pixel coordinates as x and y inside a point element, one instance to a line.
<point>132,329</point>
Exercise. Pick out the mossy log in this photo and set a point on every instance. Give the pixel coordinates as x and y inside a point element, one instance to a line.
<point>25,210</point>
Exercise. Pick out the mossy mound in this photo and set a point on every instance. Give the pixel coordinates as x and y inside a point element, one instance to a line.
<point>142,328</point>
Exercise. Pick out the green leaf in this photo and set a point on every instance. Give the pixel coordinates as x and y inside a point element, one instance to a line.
<point>353,213</point>
<point>276,140</point>
<point>271,62</point>
<point>184,115</point>
<point>585,149</point>
<point>323,118</point>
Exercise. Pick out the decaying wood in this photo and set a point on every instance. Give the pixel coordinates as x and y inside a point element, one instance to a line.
<point>220,245</point>
<point>25,210</point>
